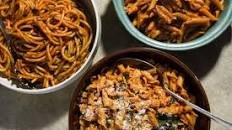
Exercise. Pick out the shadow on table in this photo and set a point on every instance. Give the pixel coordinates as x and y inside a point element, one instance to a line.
<point>114,35</point>
<point>29,112</point>
<point>201,60</point>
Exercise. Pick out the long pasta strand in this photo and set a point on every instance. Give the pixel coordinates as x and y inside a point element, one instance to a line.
<point>51,39</point>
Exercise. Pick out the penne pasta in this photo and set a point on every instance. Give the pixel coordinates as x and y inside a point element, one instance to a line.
<point>165,20</point>
<point>136,100</point>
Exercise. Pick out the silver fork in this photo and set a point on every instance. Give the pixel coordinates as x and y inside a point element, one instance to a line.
<point>147,65</point>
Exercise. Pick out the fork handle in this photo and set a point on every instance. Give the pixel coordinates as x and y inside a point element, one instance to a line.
<point>217,119</point>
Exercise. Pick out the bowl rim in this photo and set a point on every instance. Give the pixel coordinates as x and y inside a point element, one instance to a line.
<point>170,57</point>
<point>83,67</point>
<point>196,43</point>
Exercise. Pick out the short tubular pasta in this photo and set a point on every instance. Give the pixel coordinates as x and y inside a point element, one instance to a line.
<point>50,39</point>
<point>126,98</point>
<point>165,20</point>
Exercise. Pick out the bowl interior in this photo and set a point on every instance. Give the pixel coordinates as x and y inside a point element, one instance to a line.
<point>89,7</point>
<point>213,32</point>
<point>153,56</point>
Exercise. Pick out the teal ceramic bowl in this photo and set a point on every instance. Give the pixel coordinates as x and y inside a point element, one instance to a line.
<point>214,31</point>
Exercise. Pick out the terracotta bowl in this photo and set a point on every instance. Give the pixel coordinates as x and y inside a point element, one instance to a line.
<point>151,55</point>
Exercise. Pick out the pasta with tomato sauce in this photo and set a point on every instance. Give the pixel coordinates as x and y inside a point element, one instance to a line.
<point>50,40</point>
<point>127,98</point>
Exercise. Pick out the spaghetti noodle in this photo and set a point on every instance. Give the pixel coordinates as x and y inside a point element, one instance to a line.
<point>50,39</point>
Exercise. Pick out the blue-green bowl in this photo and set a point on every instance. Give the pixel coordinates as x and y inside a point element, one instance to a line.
<point>214,31</point>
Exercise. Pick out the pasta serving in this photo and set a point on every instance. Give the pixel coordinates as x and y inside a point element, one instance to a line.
<point>174,21</point>
<point>50,40</point>
<point>127,98</point>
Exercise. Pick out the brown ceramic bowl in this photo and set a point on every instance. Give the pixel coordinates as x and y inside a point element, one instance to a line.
<point>151,55</point>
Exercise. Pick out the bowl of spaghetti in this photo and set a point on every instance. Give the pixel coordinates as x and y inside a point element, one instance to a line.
<point>175,25</point>
<point>113,95</point>
<point>49,43</point>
